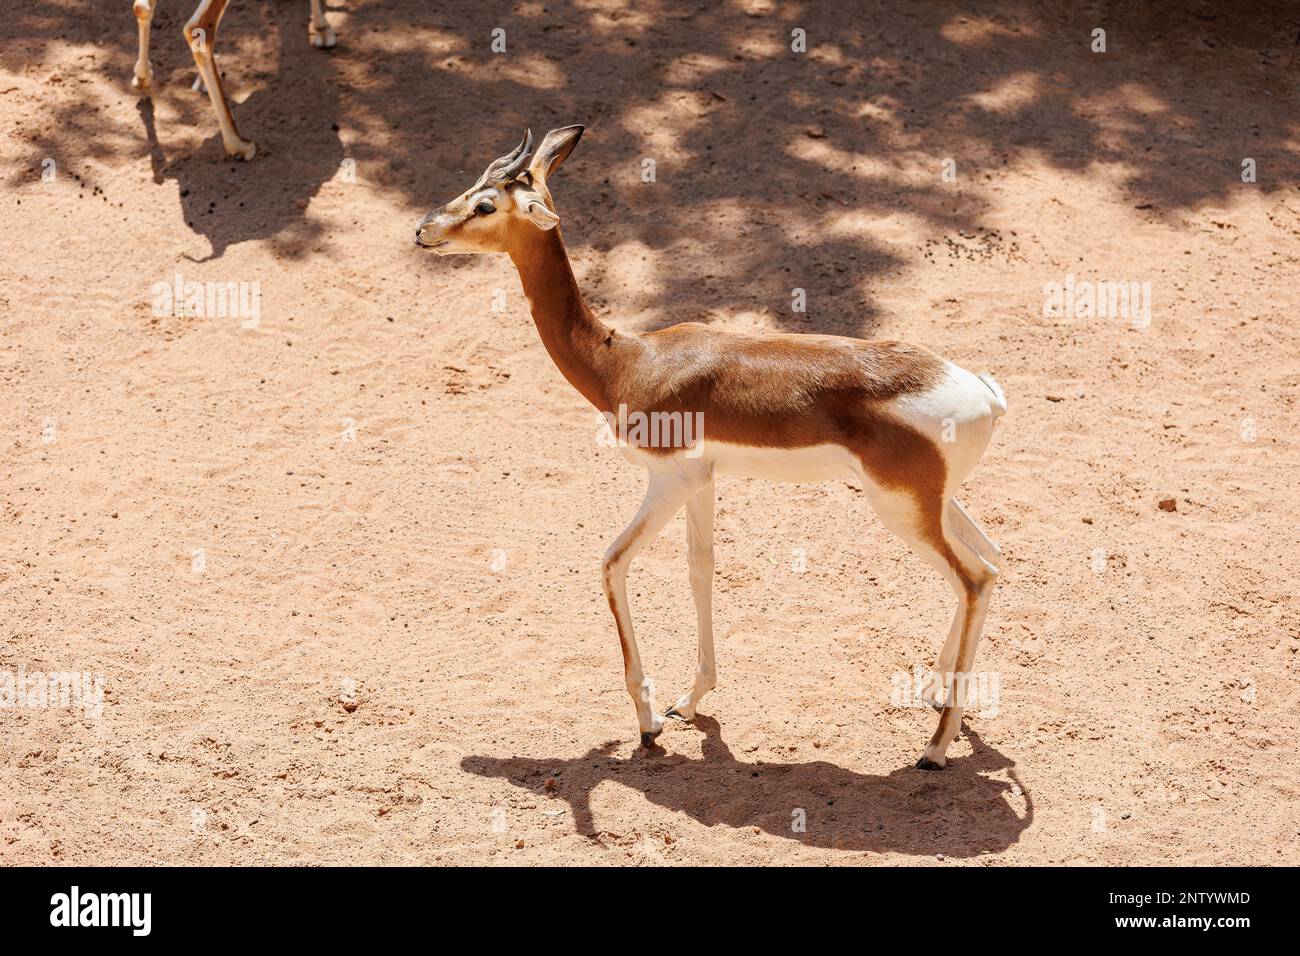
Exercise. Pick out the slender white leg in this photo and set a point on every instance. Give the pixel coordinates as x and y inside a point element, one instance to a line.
<point>143,10</point>
<point>319,31</point>
<point>668,491</point>
<point>699,551</point>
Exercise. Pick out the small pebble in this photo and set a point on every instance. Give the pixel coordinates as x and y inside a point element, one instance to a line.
<point>1168,504</point>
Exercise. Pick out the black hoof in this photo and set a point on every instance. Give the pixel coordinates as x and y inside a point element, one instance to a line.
<point>648,739</point>
<point>924,764</point>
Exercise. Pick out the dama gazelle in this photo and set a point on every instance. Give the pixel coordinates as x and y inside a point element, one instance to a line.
<point>200,33</point>
<point>908,424</point>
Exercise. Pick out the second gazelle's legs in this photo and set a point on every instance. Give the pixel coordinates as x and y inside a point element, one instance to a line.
<point>201,35</point>
<point>668,491</point>
<point>699,553</point>
<point>319,31</point>
<point>143,10</point>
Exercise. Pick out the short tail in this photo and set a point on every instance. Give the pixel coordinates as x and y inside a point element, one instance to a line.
<point>999,403</point>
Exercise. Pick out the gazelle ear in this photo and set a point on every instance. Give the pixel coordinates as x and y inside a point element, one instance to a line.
<point>554,149</point>
<point>536,210</point>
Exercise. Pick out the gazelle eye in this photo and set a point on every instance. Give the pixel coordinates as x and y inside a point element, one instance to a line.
<point>485,208</point>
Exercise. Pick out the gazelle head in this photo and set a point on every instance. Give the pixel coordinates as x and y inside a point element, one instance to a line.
<point>509,199</point>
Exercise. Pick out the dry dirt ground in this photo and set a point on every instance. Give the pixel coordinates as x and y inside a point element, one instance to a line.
<point>386,490</point>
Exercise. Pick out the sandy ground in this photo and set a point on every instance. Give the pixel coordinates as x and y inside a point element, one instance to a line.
<point>387,486</point>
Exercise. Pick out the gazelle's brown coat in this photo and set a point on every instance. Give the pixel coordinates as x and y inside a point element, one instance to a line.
<point>909,424</point>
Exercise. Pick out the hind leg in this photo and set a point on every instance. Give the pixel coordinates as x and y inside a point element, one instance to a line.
<point>974,578</point>
<point>973,534</point>
<point>931,531</point>
<point>959,524</point>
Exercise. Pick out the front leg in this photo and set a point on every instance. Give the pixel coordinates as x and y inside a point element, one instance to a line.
<point>699,554</point>
<point>668,491</point>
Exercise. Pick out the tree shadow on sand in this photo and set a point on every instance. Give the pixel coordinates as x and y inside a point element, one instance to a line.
<point>961,812</point>
<point>778,169</point>
<point>775,169</point>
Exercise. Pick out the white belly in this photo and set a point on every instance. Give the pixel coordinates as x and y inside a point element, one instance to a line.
<point>814,463</point>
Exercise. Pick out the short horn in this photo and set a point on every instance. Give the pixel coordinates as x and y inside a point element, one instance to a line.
<point>523,145</point>
<point>519,158</point>
<point>507,167</point>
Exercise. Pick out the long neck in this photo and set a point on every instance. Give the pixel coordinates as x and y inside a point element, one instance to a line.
<point>575,339</point>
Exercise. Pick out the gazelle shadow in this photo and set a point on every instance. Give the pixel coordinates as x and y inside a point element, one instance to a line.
<point>960,812</point>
